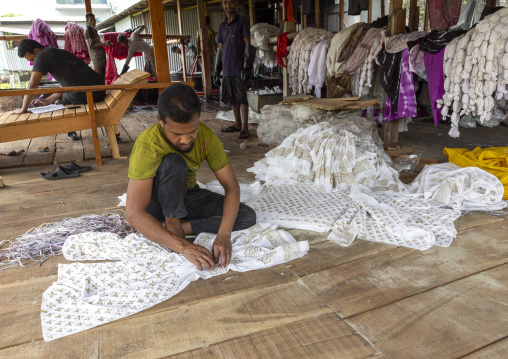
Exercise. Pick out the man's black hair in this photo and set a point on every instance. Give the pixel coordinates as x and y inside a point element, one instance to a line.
<point>179,103</point>
<point>28,46</point>
<point>174,49</point>
<point>207,19</point>
<point>89,14</point>
<point>121,38</point>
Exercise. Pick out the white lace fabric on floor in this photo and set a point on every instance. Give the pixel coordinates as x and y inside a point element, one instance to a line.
<point>142,274</point>
<point>329,157</point>
<point>465,188</point>
<point>399,220</point>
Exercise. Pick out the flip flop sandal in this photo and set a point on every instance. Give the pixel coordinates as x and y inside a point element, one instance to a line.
<point>59,172</point>
<point>230,129</point>
<point>72,167</point>
<point>244,134</point>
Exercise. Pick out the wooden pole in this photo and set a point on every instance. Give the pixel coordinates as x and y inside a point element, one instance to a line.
<point>88,6</point>
<point>93,126</point>
<point>251,14</point>
<point>145,20</point>
<point>397,26</point>
<point>291,28</point>
<point>369,16</point>
<point>160,48</point>
<point>382,8</point>
<point>341,15</point>
<point>182,46</point>
<point>205,50</point>
<point>413,15</point>
<point>304,17</point>
<point>317,13</point>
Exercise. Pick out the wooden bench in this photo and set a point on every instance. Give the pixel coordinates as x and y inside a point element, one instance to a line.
<point>107,113</point>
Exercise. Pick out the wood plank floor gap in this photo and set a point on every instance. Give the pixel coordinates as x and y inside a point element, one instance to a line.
<point>482,348</point>
<point>427,290</point>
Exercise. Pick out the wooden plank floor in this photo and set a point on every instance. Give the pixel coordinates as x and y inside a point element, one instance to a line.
<point>369,300</point>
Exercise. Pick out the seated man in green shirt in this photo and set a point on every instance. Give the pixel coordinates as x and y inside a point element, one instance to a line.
<point>162,182</point>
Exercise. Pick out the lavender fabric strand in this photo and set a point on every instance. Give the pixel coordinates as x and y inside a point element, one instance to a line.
<point>406,106</point>
<point>435,77</point>
<point>40,243</point>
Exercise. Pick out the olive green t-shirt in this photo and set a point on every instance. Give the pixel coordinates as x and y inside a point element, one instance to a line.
<point>152,145</point>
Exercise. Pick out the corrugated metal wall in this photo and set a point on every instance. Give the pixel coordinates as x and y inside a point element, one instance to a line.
<point>190,27</point>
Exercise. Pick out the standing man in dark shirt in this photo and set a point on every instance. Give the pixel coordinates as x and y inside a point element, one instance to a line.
<point>66,68</point>
<point>95,46</point>
<point>235,59</point>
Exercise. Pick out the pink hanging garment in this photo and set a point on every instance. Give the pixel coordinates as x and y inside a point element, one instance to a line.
<point>75,41</point>
<point>119,52</point>
<point>41,32</point>
<point>115,51</point>
<point>111,71</point>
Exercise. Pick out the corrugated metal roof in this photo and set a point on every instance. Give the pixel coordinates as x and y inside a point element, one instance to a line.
<point>62,19</point>
<point>140,6</point>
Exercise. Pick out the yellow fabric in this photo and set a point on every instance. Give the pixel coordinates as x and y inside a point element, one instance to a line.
<point>493,160</point>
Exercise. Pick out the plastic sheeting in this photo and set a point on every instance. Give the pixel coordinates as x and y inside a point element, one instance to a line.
<point>275,124</point>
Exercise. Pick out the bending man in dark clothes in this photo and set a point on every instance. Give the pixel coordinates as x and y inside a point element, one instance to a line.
<point>66,68</point>
<point>235,59</point>
<point>162,183</point>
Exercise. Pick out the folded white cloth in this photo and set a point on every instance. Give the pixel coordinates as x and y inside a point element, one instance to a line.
<point>464,188</point>
<point>143,274</point>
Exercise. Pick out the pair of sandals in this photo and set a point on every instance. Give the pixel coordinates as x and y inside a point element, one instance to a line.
<point>69,171</point>
<point>242,134</point>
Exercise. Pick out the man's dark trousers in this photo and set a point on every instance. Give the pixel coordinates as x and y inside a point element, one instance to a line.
<point>203,208</point>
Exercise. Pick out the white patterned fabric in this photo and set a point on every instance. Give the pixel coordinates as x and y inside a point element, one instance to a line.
<point>329,157</point>
<point>301,206</point>
<point>317,67</point>
<point>299,57</point>
<point>468,188</point>
<point>401,220</point>
<point>141,274</point>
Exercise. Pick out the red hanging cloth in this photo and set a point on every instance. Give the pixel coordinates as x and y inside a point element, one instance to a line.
<point>288,10</point>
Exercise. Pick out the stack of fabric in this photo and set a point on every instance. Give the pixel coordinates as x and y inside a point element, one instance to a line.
<point>330,157</point>
<point>299,57</point>
<point>476,71</point>
<point>338,83</point>
<point>331,179</point>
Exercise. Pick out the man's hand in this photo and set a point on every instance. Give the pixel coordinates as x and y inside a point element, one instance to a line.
<point>19,110</point>
<point>216,79</point>
<point>245,76</point>
<point>222,247</point>
<point>124,69</point>
<point>41,102</point>
<point>199,256</point>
